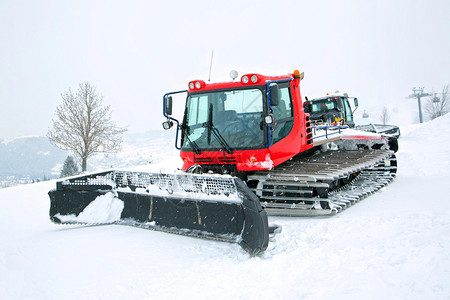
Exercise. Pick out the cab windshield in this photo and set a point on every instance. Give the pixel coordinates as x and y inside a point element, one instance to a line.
<point>322,105</point>
<point>236,117</point>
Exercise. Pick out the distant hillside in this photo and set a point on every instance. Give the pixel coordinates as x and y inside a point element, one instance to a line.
<point>32,157</point>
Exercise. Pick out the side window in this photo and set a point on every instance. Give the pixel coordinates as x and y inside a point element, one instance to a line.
<point>348,111</point>
<point>284,109</point>
<point>283,114</point>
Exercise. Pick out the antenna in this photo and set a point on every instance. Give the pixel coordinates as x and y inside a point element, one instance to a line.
<point>210,65</point>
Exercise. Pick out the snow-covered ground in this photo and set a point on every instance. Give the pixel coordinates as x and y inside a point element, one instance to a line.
<point>393,245</point>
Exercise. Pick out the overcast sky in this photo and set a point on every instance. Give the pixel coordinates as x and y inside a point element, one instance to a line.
<point>135,51</point>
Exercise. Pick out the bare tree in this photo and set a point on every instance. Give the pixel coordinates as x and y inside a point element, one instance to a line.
<point>83,125</point>
<point>436,106</point>
<point>384,117</point>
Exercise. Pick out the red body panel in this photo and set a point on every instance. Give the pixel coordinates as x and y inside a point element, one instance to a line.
<point>258,159</point>
<point>245,160</point>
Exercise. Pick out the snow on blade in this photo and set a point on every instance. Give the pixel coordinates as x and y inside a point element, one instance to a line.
<point>199,196</point>
<point>104,209</point>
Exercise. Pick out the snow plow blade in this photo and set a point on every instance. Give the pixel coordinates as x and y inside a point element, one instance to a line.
<point>207,206</point>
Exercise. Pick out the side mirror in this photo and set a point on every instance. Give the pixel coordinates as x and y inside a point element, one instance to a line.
<point>356,102</point>
<point>306,107</point>
<point>167,124</point>
<point>274,94</point>
<point>168,105</point>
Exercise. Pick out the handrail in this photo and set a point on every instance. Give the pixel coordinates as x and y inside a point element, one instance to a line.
<point>326,128</point>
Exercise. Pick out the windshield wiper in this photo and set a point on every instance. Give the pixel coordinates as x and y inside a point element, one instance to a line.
<point>216,132</point>
<point>219,137</point>
<point>193,144</point>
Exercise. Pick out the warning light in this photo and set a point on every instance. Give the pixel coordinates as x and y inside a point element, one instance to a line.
<point>197,84</point>
<point>253,78</point>
<point>298,75</point>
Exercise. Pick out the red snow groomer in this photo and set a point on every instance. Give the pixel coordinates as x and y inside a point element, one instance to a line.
<point>248,150</point>
<point>256,129</point>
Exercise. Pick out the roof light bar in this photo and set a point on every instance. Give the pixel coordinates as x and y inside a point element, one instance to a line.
<point>250,78</point>
<point>196,84</point>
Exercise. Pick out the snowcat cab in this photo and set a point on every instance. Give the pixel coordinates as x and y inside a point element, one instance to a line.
<point>331,110</point>
<point>336,110</point>
<point>250,125</point>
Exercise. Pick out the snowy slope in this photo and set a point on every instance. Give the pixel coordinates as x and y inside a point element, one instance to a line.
<point>393,245</point>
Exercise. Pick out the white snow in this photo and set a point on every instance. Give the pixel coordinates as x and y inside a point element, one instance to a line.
<point>393,245</point>
<point>231,198</point>
<point>266,164</point>
<point>104,209</point>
